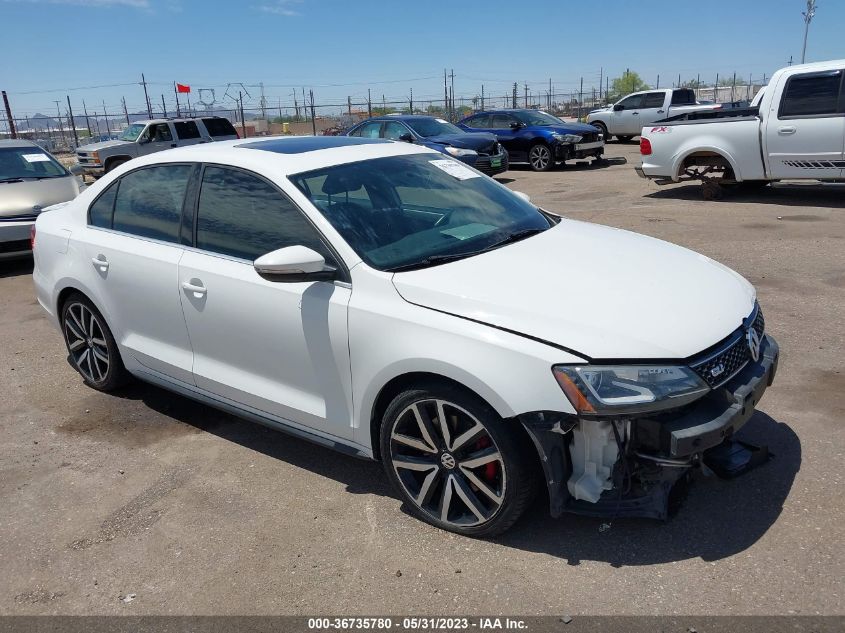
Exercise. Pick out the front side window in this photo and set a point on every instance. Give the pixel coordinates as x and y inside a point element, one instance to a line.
<point>160,133</point>
<point>243,216</point>
<point>633,102</point>
<point>24,163</point>
<point>480,121</point>
<point>149,201</point>
<point>186,129</point>
<point>502,121</point>
<point>368,130</point>
<point>414,211</point>
<point>811,94</point>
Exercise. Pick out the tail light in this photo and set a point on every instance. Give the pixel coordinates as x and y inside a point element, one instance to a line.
<point>645,146</point>
<point>32,236</point>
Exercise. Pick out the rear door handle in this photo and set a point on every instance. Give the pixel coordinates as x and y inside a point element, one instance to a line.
<point>173,145</point>
<point>787,129</point>
<point>187,286</point>
<point>100,262</point>
<point>660,112</point>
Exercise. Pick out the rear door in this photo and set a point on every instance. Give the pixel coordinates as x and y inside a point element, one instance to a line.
<point>187,133</point>
<point>133,245</point>
<point>805,126</point>
<point>277,348</point>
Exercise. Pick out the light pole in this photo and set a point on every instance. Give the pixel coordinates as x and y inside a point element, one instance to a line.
<point>808,17</point>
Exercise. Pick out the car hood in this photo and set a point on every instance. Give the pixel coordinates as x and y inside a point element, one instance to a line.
<point>464,141</point>
<point>93,147</point>
<point>601,292</point>
<point>605,109</point>
<point>570,128</point>
<point>31,196</point>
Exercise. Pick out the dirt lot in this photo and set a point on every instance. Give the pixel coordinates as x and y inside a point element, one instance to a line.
<point>197,512</point>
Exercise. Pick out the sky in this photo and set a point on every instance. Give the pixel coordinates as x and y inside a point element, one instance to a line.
<point>96,50</point>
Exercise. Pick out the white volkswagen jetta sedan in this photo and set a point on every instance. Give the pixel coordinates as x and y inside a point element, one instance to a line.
<point>383,300</point>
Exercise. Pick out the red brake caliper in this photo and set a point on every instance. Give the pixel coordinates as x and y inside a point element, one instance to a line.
<point>489,468</point>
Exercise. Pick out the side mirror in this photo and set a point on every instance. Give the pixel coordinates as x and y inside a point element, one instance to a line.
<point>407,137</point>
<point>618,107</point>
<point>524,196</point>
<point>516,125</point>
<point>293,264</point>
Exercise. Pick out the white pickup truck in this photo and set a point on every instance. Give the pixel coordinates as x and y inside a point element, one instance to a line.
<point>625,118</point>
<point>795,132</point>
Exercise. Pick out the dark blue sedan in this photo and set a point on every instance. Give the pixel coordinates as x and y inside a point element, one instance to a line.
<point>481,151</point>
<point>537,138</point>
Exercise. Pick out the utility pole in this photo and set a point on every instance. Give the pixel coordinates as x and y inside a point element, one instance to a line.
<point>72,122</point>
<point>176,94</point>
<point>482,97</point>
<point>313,118</point>
<point>445,94</point>
<point>87,120</point>
<point>716,90</point>
<point>733,88</point>
<point>808,17</point>
<point>411,104</point>
<point>125,111</point>
<point>580,98</point>
<point>263,102</point>
<point>59,119</point>
<point>163,108</point>
<point>12,131</point>
<point>525,89</point>
<point>601,77</point>
<point>452,95</point>
<point>241,108</point>
<point>106,117</point>
<point>657,85</point>
<point>146,97</point>
<point>369,104</point>
<point>296,105</point>
<point>348,106</point>
<point>514,95</point>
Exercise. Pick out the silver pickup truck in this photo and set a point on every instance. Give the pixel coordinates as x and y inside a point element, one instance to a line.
<point>147,137</point>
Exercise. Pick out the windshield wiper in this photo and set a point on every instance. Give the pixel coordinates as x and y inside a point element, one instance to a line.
<point>11,179</point>
<point>433,260</point>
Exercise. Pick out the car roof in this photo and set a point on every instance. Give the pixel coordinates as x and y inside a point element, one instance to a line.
<point>176,119</point>
<point>277,156</point>
<point>18,142</point>
<point>403,117</point>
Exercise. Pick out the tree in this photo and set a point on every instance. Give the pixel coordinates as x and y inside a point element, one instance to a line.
<point>626,84</point>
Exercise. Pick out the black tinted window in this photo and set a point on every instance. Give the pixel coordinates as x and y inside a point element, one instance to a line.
<point>160,133</point>
<point>806,95</point>
<point>101,211</point>
<point>683,97</point>
<point>654,100</point>
<point>219,127</point>
<point>186,129</point>
<point>243,216</point>
<point>149,201</point>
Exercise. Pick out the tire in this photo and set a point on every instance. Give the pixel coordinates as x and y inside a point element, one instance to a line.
<point>601,126</point>
<point>114,164</point>
<point>92,350</point>
<point>540,157</point>
<point>476,486</point>
<point>624,139</point>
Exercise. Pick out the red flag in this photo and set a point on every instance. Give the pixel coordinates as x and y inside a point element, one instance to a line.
<point>182,88</point>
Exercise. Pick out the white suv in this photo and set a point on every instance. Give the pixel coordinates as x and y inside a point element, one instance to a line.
<point>392,303</point>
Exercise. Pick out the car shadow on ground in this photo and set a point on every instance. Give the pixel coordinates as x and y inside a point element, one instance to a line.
<point>16,267</point>
<point>585,164</point>
<point>793,195</point>
<point>718,519</point>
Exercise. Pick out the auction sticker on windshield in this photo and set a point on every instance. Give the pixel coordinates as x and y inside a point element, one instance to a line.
<point>36,158</point>
<point>454,168</point>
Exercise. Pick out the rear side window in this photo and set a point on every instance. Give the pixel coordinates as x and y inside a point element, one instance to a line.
<point>811,94</point>
<point>393,130</point>
<point>243,216</point>
<point>100,213</point>
<point>481,121</point>
<point>186,129</point>
<point>149,202</point>
<point>654,100</point>
<point>219,127</point>
<point>683,97</point>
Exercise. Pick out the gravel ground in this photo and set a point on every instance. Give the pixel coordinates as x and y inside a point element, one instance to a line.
<point>196,512</point>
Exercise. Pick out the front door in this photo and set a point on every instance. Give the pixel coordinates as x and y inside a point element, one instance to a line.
<point>805,126</point>
<point>626,121</point>
<point>132,247</point>
<point>157,137</point>
<point>508,136</point>
<point>277,348</point>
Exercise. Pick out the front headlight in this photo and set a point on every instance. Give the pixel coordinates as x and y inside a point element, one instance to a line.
<point>458,151</point>
<point>96,157</point>
<point>567,138</point>
<point>627,389</point>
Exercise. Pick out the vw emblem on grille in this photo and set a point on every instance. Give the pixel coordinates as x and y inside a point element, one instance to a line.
<point>718,370</point>
<point>754,343</point>
<point>447,460</point>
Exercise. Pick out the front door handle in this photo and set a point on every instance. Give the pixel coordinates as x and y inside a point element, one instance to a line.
<point>197,289</point>
<point>173,145</point>
<point>100,262</point>
<point>635,113</point>
<point>787,129</point>
<point>660,112</point>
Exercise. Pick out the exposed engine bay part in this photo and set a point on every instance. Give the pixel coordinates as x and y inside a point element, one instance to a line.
<point>593,452</point>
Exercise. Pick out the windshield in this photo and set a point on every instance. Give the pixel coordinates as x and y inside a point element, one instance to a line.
<point>434,127</point>
<point>132,132</point>
<point>21,163</point>
<point>414,211</point>
<point>537,117</point>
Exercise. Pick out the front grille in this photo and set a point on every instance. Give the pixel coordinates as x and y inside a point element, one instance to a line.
<point>719,366</point>
<point>589,137</point>
<point>490,150</point>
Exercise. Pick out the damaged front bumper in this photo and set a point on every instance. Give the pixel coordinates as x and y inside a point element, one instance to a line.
<point>651,456</point>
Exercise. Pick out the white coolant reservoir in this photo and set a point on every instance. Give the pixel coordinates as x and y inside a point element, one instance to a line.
<point>593,451</point>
